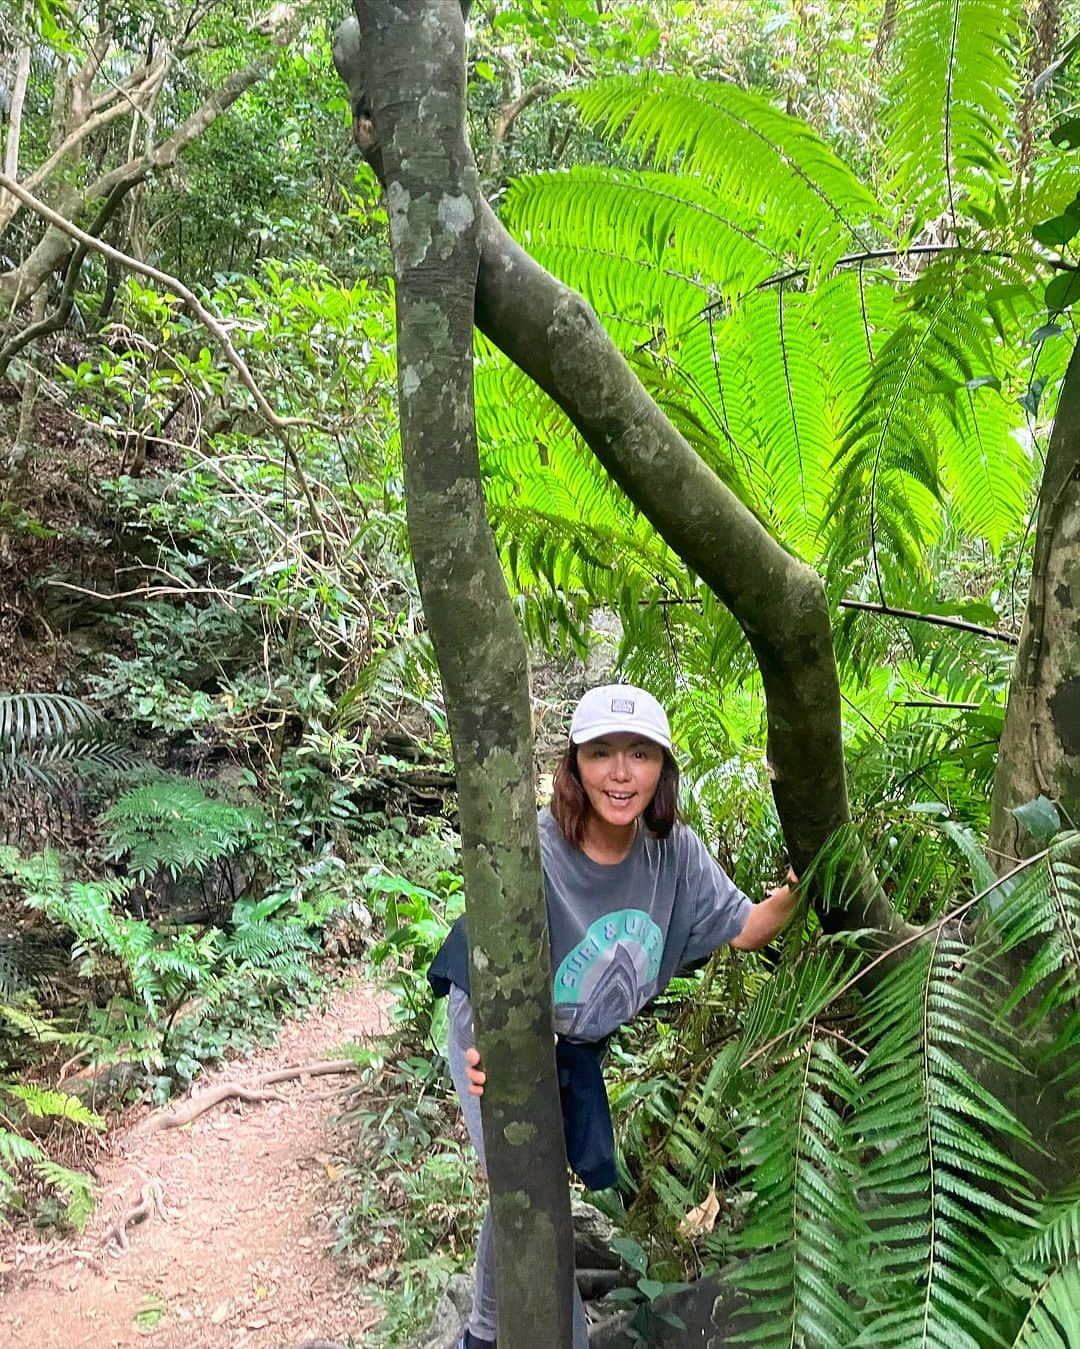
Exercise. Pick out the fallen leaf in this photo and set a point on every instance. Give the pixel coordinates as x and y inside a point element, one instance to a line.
<point>701,1219</point>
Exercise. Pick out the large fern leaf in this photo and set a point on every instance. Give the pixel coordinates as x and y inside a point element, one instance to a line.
<point>936,1181</point>
<point>805,1229</point>
<point>767,165</point>
<point>683,246</point>
<point>950,98</point>
<point>930,421</point>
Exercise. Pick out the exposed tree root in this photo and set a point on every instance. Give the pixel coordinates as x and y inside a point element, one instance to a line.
<point>254,1092</point>
<point>151,1201</point>
<point>151,1197</point>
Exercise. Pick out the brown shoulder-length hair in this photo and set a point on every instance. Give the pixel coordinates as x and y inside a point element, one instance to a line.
<point>570,806</point>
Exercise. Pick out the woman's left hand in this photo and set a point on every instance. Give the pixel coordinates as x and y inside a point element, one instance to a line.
<point>475,1074</point>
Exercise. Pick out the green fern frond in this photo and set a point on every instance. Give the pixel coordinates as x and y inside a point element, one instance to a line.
<point>804,1230</point>
<point>936,1180</point>
<point>261,943</point>
<point>1057,1238</point>
<point>944,146</point>
<point>36,1028</point>
<point>679,246</point>
<point>1041,907</point>
<point>809,203</point>
<point>173,825</point>
<point>1045,1269</point>
<point>84,908</point>
<point>929,419</point>
<point>15,1149</point>
<point>1053,1318</point>
<point>76,1187</point>
<point>49,1104</point>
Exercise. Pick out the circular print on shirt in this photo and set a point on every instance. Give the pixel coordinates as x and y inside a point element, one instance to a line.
<point>603,980</point>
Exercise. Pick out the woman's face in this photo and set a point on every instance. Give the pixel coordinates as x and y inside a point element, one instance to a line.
<point>619,773</point>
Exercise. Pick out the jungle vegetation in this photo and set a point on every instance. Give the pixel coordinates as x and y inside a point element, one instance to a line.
<point>813,440</point>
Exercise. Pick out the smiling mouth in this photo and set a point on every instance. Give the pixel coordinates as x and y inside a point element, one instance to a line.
<point>620,798</point>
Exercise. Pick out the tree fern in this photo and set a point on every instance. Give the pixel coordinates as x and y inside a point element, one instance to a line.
<point>946,143</point>
<point>800,191</point>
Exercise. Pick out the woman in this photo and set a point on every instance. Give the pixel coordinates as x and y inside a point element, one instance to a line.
<point>632,895</point>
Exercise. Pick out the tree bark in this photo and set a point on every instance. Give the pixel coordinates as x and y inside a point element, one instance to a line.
<point>411,59</point>
<point>1039,753</point>
<point>15,112</point>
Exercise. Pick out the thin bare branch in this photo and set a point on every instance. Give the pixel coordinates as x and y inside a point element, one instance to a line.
<point>14,132</point>
<point>172,283</point>
<point>95,122</point>
<point>937,620</point>
<point>504,124</point>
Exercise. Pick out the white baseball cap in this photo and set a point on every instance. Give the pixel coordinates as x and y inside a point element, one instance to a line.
<point>619,707</point>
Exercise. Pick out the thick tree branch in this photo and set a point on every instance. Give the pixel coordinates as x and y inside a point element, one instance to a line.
<point>550,332</point>
<point>779,602</point>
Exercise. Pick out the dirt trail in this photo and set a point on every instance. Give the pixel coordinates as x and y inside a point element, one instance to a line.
<point>234,1255</point>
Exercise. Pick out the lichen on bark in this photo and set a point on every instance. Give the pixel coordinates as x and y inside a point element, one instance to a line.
<point>1039,753</point>
<point>406,66</point>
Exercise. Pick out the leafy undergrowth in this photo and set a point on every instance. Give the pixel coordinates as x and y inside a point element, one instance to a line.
<point>413,1196</point>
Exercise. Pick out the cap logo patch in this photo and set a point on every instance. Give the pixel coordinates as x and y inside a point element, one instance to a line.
<point>625,705</point>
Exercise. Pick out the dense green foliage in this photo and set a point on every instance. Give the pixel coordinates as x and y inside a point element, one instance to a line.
<point>839,248</point>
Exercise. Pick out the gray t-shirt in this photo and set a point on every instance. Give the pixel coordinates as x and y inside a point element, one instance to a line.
<point>619,932</point>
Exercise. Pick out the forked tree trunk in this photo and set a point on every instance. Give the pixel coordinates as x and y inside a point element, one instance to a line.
<point>550,332</point>
<point>1039,754</point>
<point>411,57</point>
